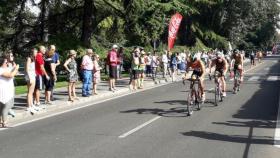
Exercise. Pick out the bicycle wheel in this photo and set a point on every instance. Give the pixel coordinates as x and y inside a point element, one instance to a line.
<point>216,96</point>
<point>189,105</point>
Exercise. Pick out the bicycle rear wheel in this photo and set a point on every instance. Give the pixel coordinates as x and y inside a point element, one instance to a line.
<point>216,96</point>
<point>189,106</point>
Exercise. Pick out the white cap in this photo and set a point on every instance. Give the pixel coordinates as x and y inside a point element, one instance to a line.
<point>115,46</point>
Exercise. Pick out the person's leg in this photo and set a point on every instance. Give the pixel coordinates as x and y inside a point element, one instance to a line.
<point>31,86</point>
<point>84,83</point>
<point>89,85</point>
<point>6,109</point>
<point>74,90</point>
<point>223,84</point>
<point>70,91</point>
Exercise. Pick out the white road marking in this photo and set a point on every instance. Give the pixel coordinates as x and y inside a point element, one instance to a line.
<point>272,78</point>
<point>254,78</point>
<point>277,129</point>
<point>139,127</point>
<point>81,107</point>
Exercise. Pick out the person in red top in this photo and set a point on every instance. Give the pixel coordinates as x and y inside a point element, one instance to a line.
<point>40,72</point>
<point>112,60</point>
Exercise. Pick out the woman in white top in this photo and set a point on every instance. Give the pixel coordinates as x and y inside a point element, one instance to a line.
<point>30,77</point>
<point>7,89</point>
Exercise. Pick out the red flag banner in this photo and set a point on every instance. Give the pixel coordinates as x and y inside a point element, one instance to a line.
<point>173,29</point>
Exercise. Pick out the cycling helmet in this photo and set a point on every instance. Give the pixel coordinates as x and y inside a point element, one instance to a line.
<point>193,57</point>
<point>219,54</point>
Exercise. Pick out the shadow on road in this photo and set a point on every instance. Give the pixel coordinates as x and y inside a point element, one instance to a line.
<point>260,111</point>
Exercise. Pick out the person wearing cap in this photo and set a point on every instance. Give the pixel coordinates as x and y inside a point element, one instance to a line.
<point>112,61</point>
<point>72,76</point>
<point>87,67</point>
<point>221,68</point>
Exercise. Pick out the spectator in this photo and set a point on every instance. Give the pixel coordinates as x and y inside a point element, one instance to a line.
<point>183,64</point>
<point>173,66</point>
<point>120,62</point>
<point>30,77</point>
<point>11,65</point>
<point>96,73</point>
<point>87,67</point>
<point>40,73</point>
<point>112,62</point>
<point>148,64</point>
<point>7,89</point>
<point>49,81</point>
<point>154,65</point>
<point>134,68</point>
<point>73,76</point>
<point>164,60</point>
<point>56,61</point>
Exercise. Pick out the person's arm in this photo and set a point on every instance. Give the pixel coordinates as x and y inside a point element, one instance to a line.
<point>12,74</point>
<point>58,63</point>
<point>66,64</point>
<point>28,62</point>
<point>53,71</point>
<point>226,66</point>
<point>212,64</point>
<point>202,68</point>
<point>44,70</point>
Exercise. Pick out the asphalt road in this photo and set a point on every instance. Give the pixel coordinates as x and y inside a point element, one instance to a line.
<point>240,127</point>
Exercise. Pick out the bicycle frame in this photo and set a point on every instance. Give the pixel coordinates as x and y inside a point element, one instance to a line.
<point>193,95</point>
<point>237,81</point>
<point>218,88</point>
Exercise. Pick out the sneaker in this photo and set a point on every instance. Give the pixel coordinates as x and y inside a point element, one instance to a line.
<point>50,103</point>
<point>111,89</point>
<point>36,108</point>
<point>12,113</point>
<point>31,110</point>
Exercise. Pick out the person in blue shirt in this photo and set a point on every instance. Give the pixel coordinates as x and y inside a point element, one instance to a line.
<point>56,60</point>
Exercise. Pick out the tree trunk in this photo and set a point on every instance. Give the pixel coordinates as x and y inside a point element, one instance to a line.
<point>87,28</point>
<point>42,19</point>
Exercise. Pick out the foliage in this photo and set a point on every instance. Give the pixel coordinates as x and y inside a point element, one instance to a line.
<point>80,24</point>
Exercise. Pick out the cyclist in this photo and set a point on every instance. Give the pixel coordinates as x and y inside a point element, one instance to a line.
<point>221,67</point>
<point>237,64</point>
<point>198,68</point>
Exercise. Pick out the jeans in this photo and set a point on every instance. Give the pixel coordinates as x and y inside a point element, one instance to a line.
<point>87,75</point>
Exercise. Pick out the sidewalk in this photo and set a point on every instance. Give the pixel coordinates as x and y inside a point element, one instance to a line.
<point>61,97</point>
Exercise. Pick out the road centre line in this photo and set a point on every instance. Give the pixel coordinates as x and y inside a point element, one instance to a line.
<point>139,127</point>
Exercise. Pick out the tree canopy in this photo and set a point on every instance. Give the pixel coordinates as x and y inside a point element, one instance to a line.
<point>73,24</point>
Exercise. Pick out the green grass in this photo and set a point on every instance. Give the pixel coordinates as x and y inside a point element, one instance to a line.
<point>22,88</point>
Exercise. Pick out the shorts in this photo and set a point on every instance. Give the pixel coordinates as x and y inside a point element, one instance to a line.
<point>39,85</point>
<point>49,84</point>
<point>197,73</point>
<point>113,72</point>
<point>220,71</point>
<point>135,74</point>
<point>140,71</point>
